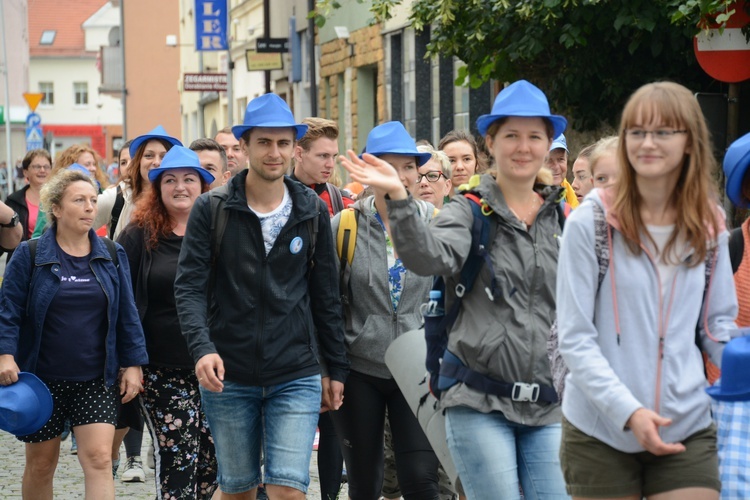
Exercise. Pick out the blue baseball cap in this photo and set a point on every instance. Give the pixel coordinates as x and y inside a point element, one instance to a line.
<point>559,143</point>
<point>735,372</point>
<point>736,163</point>
<point>521,99</point>
<point>157,133</point>
<point>268,111</point>
<point>25,406</point>
<point>392,138</point>
<point>180,157</point>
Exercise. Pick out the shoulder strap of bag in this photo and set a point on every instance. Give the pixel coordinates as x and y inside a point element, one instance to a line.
<point>219,218</point>
<point>736,247</point>
<point>116,211</point>
<point>337,201</point>
<point>346,242</point>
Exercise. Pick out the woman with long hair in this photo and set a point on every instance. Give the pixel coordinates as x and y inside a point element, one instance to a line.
<point>637,419</point>
<point>498,435</point>
<point>465,156</point>
<point>185,458</point>
<point>145,153</point>
<point>67,315</point>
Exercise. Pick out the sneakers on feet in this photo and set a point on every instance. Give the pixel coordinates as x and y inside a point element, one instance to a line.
<point>133,472</point>
<point>115,466</point>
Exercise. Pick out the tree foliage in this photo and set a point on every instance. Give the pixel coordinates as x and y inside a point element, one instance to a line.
<point>588,55</point>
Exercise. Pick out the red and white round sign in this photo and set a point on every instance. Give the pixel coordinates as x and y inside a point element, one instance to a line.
<point>725,56</point>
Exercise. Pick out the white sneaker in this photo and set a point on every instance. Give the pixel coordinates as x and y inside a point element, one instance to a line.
<point>133,472</point>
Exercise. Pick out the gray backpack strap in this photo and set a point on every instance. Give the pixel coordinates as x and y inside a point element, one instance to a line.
<point>558,367</point>
<point>337,201</point>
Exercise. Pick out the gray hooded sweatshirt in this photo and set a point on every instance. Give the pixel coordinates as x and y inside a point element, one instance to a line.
<point>374,322</point>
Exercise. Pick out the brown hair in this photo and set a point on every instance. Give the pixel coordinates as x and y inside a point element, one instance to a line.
<point>317,128</point>
<point>71,155</point>
<point>132,176</point>
<point>151,214</point>
<point>544,176</point>
<point>26,162</point>
<point>211,145</point>
<point>462,135</point>
<point>694,196</point>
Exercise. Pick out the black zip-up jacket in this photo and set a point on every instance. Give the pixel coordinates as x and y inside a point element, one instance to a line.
<point>17,201</point>
<point>262,314</point>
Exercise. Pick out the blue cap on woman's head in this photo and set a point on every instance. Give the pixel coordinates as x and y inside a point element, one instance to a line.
<point>521,99</point>
<point>157,133</point>
<point>736,163</point>
<point>268,111</point>
<point>81,168</point>
<point>180,157</point>
<point>391,138</point>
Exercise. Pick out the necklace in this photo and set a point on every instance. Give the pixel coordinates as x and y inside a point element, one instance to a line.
<point>530,213</point>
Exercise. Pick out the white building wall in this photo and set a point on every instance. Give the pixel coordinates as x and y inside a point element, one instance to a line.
<point>101,109</point>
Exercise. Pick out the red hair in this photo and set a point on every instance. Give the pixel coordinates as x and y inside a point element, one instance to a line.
<point>151,214</point>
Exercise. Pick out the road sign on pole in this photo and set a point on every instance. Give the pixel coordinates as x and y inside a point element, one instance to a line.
<point>34,138</point>
<point>725,55</point>
<point>33,100</point>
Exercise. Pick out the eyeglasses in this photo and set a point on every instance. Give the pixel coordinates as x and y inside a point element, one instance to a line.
<point>431,176</point>
<point>37,168</point>
<point>661,135</point>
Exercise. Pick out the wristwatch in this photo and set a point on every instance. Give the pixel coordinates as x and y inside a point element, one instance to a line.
<point>13,221</point>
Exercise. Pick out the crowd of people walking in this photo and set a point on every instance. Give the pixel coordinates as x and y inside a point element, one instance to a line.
<point>237,299</point>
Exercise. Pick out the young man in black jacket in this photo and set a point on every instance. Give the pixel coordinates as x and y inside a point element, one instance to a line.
<point>250,300</point>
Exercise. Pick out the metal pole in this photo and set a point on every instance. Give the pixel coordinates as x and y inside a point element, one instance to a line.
<point>311,57</point>
<point>124,90</point>
<point>267,34</point>
<point>230,72</point>
<point>8,155</point>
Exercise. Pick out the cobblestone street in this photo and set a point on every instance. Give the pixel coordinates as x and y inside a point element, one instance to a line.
<point>69,476</point>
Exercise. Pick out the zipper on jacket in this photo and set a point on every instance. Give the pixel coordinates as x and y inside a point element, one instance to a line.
<point>259,337</point>
<point>662,324</point>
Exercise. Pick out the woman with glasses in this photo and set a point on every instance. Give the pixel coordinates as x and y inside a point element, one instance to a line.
<point>637,420</point>
<point>36,165</point>
<point>385,303</point>
<point>434,179</point>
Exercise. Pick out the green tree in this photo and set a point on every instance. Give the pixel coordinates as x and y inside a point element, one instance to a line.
<point>588,55</point>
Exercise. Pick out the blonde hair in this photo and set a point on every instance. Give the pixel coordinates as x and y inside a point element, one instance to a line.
<point>694,197</point>
<point>53,191</point>
<point>71,155</point>
<point>605,146</point>
<point>440,157</point>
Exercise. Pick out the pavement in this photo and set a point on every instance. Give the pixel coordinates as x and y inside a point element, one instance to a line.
<point>69,476</point>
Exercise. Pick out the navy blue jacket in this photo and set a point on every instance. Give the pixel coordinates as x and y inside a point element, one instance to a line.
<point>262,315</point>
<point>24,303</point>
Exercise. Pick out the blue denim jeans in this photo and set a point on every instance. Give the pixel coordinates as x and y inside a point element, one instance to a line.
<point>281,418</point>
<point>492,454</point>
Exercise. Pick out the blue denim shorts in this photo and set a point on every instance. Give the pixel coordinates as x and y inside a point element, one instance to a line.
<point>280,418</point>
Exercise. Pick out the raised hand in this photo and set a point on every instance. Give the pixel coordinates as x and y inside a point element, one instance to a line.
<point>374,172</point>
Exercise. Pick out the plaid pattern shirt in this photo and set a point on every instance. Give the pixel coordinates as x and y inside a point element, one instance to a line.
<point>733,426</point>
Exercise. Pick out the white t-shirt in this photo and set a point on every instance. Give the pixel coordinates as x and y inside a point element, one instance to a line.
<point>668,269</point>
<point>273,222</point>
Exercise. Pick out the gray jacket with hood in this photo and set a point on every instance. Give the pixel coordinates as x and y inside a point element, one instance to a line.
<point>374,323</point>
<point>504,338</point>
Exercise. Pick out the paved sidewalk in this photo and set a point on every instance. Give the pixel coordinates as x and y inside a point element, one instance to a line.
<point>69,476</point>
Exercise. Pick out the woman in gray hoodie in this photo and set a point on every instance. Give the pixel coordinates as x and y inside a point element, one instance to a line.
<point>384,300</point>
<point>497,440</point>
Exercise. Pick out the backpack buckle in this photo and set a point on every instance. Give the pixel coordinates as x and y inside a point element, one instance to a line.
<point>525,392</point>
<point>460,290</point>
